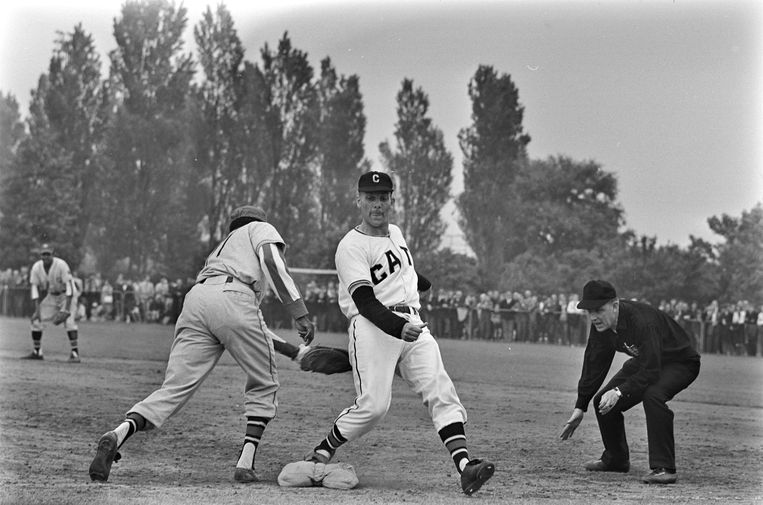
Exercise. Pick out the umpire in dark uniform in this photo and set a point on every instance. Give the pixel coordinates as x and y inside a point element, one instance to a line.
<point>663,363</point>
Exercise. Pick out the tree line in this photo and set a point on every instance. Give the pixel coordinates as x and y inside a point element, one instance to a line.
<point>136,171</point>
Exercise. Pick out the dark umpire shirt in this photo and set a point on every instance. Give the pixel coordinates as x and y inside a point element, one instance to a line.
<point>650,336</point>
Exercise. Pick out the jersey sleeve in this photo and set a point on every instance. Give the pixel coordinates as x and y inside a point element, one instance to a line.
<point>274,266</point>
<point>264,233</point>
<point>352,266</point>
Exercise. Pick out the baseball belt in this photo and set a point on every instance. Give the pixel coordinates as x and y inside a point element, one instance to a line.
<point>218,279</point>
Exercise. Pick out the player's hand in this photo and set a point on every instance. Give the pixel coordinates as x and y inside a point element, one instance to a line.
<point>412,331</point>
<point>608,400</point>
<point>306,329</point>
<point>572,423</point>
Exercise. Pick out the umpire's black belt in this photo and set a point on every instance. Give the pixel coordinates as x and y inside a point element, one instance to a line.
<point>404,309</point>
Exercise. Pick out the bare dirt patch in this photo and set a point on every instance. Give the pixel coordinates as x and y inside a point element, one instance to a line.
<point>517,395</point>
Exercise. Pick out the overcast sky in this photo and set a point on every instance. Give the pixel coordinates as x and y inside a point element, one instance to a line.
<point>668,95</point>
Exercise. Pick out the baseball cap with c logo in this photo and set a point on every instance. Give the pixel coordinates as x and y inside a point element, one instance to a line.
<point>375,182</point>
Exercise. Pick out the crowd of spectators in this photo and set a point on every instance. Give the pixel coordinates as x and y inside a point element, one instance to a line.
<point>510,316</point>
<point>120,299</point>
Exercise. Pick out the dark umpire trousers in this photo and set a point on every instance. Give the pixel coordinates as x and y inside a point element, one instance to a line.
<point>674,377</point>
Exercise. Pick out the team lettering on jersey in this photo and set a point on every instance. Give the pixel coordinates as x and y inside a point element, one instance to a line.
<point>378,271</point>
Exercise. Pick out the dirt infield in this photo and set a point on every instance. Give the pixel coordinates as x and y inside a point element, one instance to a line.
<point>518,397</point>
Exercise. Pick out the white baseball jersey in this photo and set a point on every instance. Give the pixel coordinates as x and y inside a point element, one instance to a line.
<point>384,263</point>
<point>56,281</point>
<point>234,257</point>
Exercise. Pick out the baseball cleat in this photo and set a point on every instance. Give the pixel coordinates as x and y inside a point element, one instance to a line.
<point>244,475</point>
<point>317,457</point>
<point>597,465</point>
<point>660,476</point>
<point>476,472</point>
<point>73,358</point>
<point>33,355</point>
<point>104,457</point>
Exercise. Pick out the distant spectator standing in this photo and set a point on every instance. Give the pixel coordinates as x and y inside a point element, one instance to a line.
<point>145,294</point>
<point>107,301</point>
<point>92,293</point>
<point>575,321</point>
<point>506,306</point>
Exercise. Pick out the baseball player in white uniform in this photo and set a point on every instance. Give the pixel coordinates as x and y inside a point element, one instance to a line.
<point>54,292</point>
<point>221,311</point>
<point>379,294</point>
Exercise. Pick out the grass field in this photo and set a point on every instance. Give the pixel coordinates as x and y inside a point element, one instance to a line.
<point>518,397</point>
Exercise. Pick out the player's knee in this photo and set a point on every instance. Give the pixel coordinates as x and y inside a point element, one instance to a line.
<point>375,413</point>
<point>654,397</point>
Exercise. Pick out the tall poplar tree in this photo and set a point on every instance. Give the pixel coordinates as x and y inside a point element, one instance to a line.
<point>145,225</point>
<point>494,150</point>
<point>422,167</point>
<point>342,126</point>
<point>292,127</point>
<point>218,158</point>
<point>52,188</point>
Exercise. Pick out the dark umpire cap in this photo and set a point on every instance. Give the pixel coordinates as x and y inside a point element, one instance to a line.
<point>248,211</point>
<point>375,182</point>
<point>596,294</point>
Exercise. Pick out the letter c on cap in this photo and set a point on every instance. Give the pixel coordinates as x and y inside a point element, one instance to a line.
<point>375,178</point>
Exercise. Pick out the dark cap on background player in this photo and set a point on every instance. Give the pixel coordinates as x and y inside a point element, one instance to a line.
<point>246,214</point>
<point>375,182</point>
<point>595,294</point>
<point>46,249</point>
<point>249,211</point>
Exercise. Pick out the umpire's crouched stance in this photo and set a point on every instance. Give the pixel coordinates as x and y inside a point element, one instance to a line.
<point>663,362</point>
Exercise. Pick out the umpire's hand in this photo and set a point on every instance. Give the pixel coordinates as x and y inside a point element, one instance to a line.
<point>572,424</point>
<point>306,329</point>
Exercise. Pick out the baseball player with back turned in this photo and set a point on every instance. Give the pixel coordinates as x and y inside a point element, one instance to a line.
<point>55,300</point>
<point>221,312</point>
<point>379,293</point>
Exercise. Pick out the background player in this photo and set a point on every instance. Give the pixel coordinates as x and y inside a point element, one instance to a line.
<point>54,294</point>
<point>221,311</point>
<point>378,292</point>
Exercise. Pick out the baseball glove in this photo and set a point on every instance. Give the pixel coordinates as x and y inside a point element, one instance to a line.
<point>60,316</point>
<point>325,360</point>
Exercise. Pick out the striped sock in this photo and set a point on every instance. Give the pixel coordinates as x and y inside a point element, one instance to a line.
<point>255,427</point>
<point>333,441</point>
<point>133,423</point>
<point>454,438</point>
<point>73,340</point>
<point>37,342</point>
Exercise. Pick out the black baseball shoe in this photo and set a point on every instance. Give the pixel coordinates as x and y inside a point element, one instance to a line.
<point>245,475</point>
<point>660,476</point>
<point>104,457</point>
<point>597,465</point>
<point>33,355</point>
<point>476,472</point>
